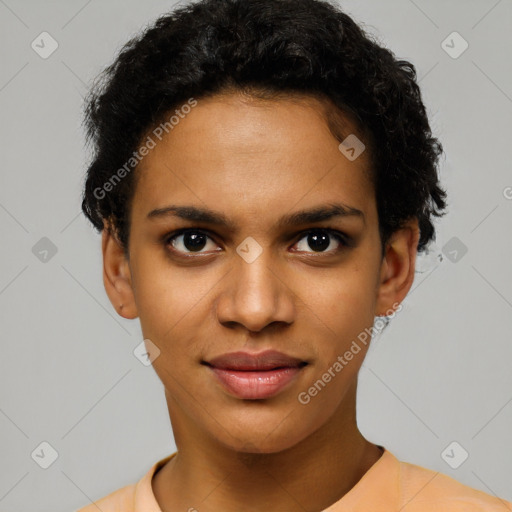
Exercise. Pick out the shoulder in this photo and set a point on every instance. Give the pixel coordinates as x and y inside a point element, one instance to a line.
<point>136,497</point>
<point>121,500</point>
<point>422,489</point>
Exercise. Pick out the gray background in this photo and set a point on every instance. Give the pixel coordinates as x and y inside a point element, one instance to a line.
<point>439,373</point>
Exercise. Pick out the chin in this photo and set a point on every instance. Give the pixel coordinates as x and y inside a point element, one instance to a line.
<point>262,446</point>
<point>254,440</point>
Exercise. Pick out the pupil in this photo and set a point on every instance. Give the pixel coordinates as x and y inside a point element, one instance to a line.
<point>318,242</point>
<point>194,241</point>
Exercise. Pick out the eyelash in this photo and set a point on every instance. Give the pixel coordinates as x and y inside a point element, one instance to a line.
<point>343,239</point>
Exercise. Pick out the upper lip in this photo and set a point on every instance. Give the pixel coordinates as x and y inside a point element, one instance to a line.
<point>267,360</point>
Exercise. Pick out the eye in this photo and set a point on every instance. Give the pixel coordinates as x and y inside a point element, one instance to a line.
<point>194,241</point>
<point>319,240</point>
<point>190,241</point>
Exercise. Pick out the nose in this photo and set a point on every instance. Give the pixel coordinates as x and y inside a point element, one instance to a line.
<point>255,295</point>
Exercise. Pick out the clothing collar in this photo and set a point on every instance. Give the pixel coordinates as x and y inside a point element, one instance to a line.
<point>376,490</point>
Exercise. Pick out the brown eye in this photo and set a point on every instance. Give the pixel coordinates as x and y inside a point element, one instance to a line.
<point>320,240</point>
<point>190,241</point>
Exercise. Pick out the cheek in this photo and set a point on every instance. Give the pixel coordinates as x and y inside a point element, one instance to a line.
<point>167,297</point>
<point>338,316</point>
<point>343,302</point>
<point>338,323</point>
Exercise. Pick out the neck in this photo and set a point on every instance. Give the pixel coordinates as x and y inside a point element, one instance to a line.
<point>212,477</point>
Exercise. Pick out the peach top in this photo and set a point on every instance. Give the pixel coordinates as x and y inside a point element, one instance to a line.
<point>388,486</point>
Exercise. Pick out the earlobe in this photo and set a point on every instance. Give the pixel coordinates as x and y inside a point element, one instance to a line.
<point>117,276</point>
<point>397,269</point>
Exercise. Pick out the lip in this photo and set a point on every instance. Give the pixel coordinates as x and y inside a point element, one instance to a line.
<point>255,376</point>
<point>267,360</point>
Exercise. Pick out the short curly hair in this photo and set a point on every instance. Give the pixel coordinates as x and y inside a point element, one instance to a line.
<point>267,49</point>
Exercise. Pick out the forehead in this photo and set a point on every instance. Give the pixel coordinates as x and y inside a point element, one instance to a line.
<point>253,155</point>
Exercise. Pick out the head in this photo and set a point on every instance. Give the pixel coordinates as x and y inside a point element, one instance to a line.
<point>264,175</point>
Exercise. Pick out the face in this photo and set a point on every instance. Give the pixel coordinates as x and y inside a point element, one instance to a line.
<point>257,273</point>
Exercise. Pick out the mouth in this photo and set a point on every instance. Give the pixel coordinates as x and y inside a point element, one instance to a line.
<point>255,376</point>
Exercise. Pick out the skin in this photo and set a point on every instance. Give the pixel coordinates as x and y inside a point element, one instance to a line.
<point>255,161</point>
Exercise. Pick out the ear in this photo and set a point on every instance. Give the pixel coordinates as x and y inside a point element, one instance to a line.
<point>117,275</point>
<point>397,269</point>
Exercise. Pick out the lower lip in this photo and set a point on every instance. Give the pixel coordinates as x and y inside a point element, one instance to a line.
<point>255,384</point>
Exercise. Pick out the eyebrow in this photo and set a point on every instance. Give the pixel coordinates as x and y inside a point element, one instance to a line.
<point>313,215</point>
